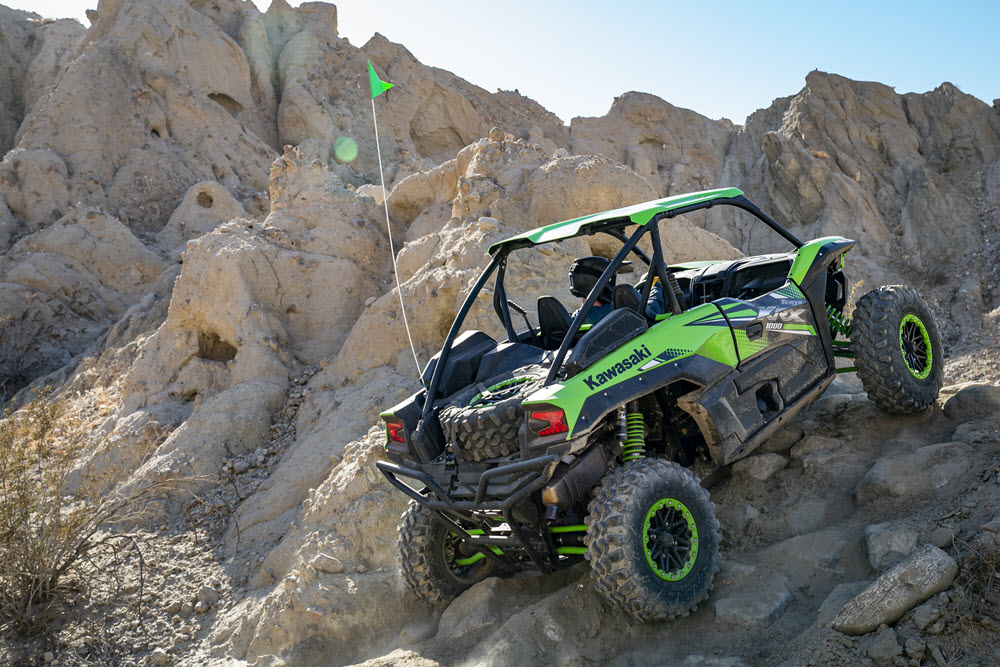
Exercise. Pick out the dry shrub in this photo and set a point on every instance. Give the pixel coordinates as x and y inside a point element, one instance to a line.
<point>977,596</point>
<point>18,364</point>
<point>61,507</point>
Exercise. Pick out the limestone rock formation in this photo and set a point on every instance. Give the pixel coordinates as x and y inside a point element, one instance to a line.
<point>64,285</point>
<point>252,300</point>
<point>676,150</point>
<point>135,159</point>
<point>32,51</point>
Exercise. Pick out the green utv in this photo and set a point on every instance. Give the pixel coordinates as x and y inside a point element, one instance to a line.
<point>568,441</point>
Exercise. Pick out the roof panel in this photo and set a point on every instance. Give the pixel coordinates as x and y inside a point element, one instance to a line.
<point>637,214</point>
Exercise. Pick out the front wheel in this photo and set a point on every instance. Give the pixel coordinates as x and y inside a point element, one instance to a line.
<point>653,540</point>
<point>436,565</point>
<point>897,349</point>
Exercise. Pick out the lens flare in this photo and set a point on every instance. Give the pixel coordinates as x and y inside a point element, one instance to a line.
<point>345,149</point>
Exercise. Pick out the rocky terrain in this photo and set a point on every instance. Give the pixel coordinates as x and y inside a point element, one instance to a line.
<point>181,248</point>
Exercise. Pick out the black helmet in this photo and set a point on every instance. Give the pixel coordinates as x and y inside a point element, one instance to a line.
<point>584,274</point>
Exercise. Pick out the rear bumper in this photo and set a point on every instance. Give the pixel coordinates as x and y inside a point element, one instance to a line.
<point>513,482</point>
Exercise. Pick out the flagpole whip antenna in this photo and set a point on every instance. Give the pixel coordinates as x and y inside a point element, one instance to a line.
<point>378,87</point>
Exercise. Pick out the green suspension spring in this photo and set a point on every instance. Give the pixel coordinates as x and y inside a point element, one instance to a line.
<point>634,446</point>
<point>839,323</point>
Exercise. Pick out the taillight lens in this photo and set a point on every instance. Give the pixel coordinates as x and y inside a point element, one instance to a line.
<point>394,429</point>
<point>549,422</point>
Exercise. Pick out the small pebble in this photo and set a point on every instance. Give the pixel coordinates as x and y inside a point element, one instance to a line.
<point>208,594</point>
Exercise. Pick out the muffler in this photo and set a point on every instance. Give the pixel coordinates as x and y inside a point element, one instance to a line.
<point>570,482</point>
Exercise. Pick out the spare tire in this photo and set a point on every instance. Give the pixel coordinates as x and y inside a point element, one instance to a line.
<point>483,419</point>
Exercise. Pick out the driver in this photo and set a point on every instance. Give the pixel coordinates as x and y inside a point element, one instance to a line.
<point>584,274</point>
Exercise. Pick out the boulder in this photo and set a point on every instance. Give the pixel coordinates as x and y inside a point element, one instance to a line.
<point>942,537</point>
<point>758,605</point>
<point>760,466</point>
<point>925,615</point>
<point>886,543</point>
<point>885,648</point>
<point>476,609</point>
<point>973,401</point>
<point>814,444</point>
<point>836,600</point>
<point>783,440</point>
<point>820,550</point>
<point>895,592</point>
<point>928,468</point>
<point>327,563</point>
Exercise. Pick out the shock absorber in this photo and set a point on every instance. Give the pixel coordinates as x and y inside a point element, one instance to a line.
<point>633,433</point>
<point>839,323</point>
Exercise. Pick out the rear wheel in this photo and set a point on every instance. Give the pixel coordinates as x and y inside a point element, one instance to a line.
<point>436,565</point>
<point>897,349</point>
<point>653,540</point>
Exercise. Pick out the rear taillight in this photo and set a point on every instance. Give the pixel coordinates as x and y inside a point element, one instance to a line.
<point>548,422</point>
<point>394,429</point>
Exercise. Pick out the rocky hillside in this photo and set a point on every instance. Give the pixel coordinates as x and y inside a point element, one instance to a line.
<point>181,249</point>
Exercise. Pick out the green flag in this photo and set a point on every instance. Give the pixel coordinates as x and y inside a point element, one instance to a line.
<point>378,85</point>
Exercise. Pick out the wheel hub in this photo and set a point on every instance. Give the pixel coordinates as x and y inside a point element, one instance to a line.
<point>915,346</point>
<point>670,539</point>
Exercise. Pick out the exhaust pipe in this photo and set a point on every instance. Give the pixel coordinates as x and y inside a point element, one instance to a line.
<point>569,483</point>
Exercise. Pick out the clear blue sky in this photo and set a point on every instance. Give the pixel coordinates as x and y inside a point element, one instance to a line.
<point>727,58</point>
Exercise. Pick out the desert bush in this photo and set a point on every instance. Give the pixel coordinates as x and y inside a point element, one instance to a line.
<point>976,599</point>
<point>62,509</point>
<point>18,365</point>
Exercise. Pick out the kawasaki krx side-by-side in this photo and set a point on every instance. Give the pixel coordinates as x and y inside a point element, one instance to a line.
<point>567,441</point>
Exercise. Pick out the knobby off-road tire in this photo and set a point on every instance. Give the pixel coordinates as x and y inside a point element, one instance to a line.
<point>427,555</point>
<point>897,349</point>
<point>485,424</point>
<point>631,505</point>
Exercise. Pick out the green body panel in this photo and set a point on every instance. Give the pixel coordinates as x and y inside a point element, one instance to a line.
<point>806,255</point>
<point>638,214</point>
<point>677,337</point>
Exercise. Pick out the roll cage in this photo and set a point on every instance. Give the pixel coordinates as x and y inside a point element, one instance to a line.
<point>614,223</point>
